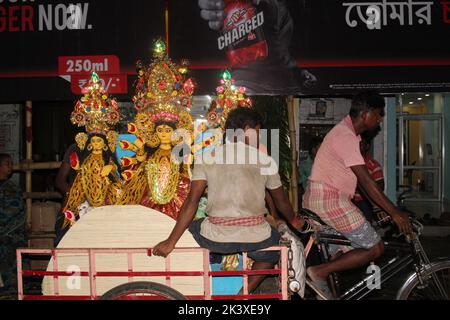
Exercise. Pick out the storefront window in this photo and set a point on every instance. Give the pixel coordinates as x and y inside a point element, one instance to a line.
<point>420,152</point>
<point>419,103</point>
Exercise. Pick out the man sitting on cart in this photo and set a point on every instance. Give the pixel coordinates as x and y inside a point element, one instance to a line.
<point>236,192</point>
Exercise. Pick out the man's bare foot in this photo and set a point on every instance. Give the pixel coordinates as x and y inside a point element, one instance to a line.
<point>314,274</point>
<point>319,284</point>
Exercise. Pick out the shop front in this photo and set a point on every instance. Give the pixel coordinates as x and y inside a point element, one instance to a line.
<point>318,51</point>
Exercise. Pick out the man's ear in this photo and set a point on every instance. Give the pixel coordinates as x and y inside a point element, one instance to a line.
<point>363,114</point>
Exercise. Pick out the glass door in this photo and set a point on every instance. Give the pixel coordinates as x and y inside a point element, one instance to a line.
<point>419,161</point>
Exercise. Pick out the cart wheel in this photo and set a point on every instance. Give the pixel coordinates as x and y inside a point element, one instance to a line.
<point>142,290</point>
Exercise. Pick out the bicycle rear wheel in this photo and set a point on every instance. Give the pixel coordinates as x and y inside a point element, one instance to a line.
<point>435,284</point>
<point>142,290</point>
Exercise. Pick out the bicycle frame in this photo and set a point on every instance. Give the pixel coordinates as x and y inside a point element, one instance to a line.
<point>388,270</point>
<point>414,256</point>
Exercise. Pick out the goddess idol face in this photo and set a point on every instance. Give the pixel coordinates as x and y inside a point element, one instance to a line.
<point>98,144</point>
<point>164,133</point>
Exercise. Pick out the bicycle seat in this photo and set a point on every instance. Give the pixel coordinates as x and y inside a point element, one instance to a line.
<point>325,230</point>
<point>308,214</point>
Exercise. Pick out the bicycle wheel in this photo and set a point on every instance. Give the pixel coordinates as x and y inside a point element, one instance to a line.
<point>435,284</point>
<point>142,290</point>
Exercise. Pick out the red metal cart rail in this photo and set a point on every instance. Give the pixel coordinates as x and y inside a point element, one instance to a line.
<point>92,274</point>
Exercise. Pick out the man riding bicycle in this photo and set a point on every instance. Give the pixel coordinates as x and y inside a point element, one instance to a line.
<point>338,168</point>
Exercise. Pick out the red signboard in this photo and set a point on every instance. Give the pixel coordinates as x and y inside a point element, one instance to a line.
<point>85,65</point>
<point>116,83</point>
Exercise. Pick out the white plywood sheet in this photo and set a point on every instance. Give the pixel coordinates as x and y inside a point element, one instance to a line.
<point>123,227</point>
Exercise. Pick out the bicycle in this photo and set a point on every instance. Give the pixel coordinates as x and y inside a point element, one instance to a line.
<point>428,280</point>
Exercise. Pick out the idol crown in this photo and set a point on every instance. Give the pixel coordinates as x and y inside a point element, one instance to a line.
<point>162,89</point>
<point>95,110</point>
<point>229,97</point>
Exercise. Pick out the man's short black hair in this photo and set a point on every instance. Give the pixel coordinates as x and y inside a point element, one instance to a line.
<point>366,101</point>
<point>241,117</point>
<point>4,156</point>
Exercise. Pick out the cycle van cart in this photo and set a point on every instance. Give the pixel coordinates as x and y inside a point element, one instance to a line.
<point>107,255</point>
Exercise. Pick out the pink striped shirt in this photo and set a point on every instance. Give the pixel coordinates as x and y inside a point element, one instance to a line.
<point>337,154</point>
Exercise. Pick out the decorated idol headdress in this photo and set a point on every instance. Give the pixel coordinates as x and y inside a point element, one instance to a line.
<point>163,94</point>
<point>229,97</point>
<point>97,112</point>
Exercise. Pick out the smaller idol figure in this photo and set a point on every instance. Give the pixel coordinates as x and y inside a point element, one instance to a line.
<point>93,160</point>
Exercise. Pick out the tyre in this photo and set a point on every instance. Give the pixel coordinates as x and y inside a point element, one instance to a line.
<point>142,290</point>
<point>436,284</point>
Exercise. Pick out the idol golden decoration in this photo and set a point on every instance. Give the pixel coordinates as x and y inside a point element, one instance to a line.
<point>228,97</point>
<point>154,177</point>
<point>94,160</point>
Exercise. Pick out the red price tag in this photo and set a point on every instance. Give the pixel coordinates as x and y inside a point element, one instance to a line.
<point>85,65</point>
<point>117,83</point>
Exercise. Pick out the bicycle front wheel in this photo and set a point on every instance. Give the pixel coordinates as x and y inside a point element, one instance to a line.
<point>434,284</point>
